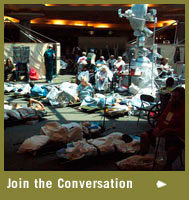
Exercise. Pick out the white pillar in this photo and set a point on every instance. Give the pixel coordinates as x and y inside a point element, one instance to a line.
<point>58,57</point>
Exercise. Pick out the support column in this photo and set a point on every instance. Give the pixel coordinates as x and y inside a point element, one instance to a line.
<point>22,36</point>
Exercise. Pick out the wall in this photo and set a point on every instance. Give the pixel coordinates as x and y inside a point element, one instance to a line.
<point>102,42</point>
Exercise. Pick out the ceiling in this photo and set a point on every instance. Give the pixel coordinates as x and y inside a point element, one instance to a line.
<point>65,23</point>
<point>88,15</point>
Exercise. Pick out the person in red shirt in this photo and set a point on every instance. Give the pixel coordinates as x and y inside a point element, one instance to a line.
<point>171,126</point>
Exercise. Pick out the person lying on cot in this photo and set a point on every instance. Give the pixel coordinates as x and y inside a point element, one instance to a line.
<point>37,90</point>
<point>36,105</point>
<point>33,111</point>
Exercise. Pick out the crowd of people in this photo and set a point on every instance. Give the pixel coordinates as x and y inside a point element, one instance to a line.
<point>99,75</point>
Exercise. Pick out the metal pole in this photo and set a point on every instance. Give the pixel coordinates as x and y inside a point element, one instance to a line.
<point>153,60</point>
<point>156,152</point>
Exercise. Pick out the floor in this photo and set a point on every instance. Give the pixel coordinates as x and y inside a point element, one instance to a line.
<point>46,160</point>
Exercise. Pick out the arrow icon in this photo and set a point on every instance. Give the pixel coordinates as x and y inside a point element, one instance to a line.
<point>160,184</point>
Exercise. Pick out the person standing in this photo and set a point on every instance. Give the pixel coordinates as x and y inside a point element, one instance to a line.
<point>111,62</point>
<point>91,57</point>
<point>81,62</point>
<point>49,62</point>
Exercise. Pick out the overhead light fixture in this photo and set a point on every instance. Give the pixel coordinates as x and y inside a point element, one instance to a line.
<point>102,26</point>
<point>8,19</point>
<point>50,4</point>
<point>71,23</point>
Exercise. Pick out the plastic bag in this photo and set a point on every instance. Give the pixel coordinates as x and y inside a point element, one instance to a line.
<point>33,143</point>
<point>53,95</point>
<point>25,89</point>
<point>133,89</point>
<point>139,163</point>
<point>77,150</point>
<point>62,132</point>
<point>50,128</point>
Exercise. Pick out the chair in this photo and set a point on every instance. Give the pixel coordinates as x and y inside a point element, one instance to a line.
<point>146,98</point>
<point>22,69</point>
<point>154,114</point>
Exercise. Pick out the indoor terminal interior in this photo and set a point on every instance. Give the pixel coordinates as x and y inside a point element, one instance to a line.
<point>94,87</point>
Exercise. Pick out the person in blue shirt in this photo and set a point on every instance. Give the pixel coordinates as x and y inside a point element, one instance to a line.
<point>100,63</point>
<point>84,89</point>
<point>49,62</point>
<point>37,90</point>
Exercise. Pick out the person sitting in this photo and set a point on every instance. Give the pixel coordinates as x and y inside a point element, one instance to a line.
<point>38,91</point>
<point>169,86</point>
<point>111,61</point>
<point>165,68</point>
<point>119,65</point>
<point>170,126</point>
<point>100,62</point>
<point>164,93</point>
<point>84,89</point>
<point>101,79</point>
<point>10,69</point>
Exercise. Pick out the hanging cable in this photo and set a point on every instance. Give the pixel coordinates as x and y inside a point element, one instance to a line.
<point>26,33</point>
<point>21,26</point>
<point>176,30</point>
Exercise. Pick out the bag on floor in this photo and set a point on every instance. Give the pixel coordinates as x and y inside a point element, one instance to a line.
<point>140,163</point>
<point>50,128</point>
<point>33,143</point>
<point>33,74</point>
<point>62,132</point>
<point>77,150</point>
